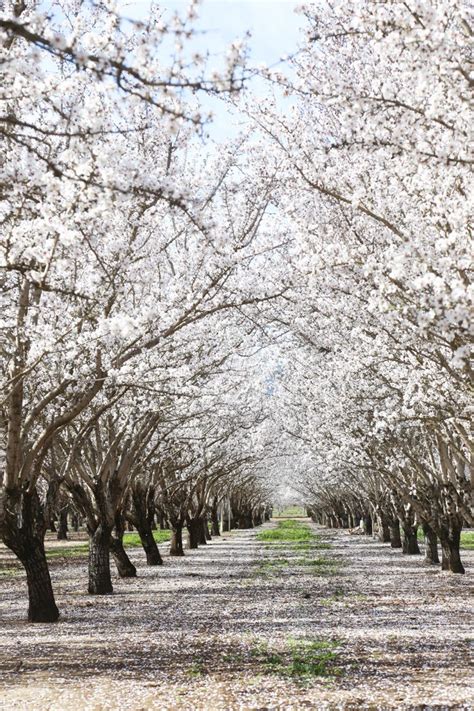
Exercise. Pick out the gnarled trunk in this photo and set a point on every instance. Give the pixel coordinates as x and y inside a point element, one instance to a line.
<point>153,556</point>
<point>450,538</point>
<point>176,547</point>
<point>41,603</point>
<point>125,567</point>
<point>431,544</point>
<point>27,543</point>
<point>100,582</point>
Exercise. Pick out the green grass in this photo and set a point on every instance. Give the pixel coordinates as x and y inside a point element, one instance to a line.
<point>273,565</point>
<point>288,531</point>
<point>10,572</point>
<point>320,566</point>
<point>130,540</point>
<point>301,659</point>
<point>290,512</point>
<point>195,669</point>
<point>76,551</point>
<point>300,538</point>
<point>467,539</point>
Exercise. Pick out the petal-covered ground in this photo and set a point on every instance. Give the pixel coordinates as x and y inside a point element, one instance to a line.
<point>246,624</point>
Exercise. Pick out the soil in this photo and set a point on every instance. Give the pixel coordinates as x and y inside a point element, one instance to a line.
<point>190,634</point>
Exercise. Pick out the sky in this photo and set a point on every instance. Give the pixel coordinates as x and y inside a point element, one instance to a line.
<point>275,31</point>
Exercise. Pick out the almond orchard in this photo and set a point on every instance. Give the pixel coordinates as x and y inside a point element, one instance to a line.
<point>197,333</point>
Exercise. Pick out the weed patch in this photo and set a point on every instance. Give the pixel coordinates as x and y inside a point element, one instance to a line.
<point>132,540</point>
<point>287,532</point>
<point>301,659</point>
<point>67,551</point>
<point>467,540</point>
<point>10,572</point>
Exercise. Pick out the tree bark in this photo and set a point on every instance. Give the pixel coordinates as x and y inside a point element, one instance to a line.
<point>367,524</point>
<point>395,538</point>
<point>42,606</point>
<point>410,542</point>
<point>383,528</point>
<point>100,582</point>
<point>176,547</point>
<point>27,543</point>
<point>215,530</point>
<point>125,567</point>
<point>214,516</point>
<point>201,532</point>
<point>62,525</point>
<point>431,544</point>
<point>450,538</point>
<point>153,556</point>
<point>193,527</point>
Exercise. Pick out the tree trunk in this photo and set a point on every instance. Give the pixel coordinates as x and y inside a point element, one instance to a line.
<point>42,605</point>
<point>450,542</point>
<point>431,544</point>
<point>153,556</point>
<point>384,529</point>
<point>75,522</point>
<point>100,582</point>
<point>444,554</point>
<point>193,532</point>
<point>410,541</point>
<point>201,532</point>
<point>215,524</point>
<point>62,525</point>
<point>176,547</point>
<point>125,567</point>
<point>27,543</point>
<point>367,524</point>
<point>395,538</point>
<point>244,519</point>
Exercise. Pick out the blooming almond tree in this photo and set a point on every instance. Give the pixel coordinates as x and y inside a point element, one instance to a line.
<point>103,253</point>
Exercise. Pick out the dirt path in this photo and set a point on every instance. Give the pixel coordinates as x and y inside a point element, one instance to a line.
<point>200,632</point>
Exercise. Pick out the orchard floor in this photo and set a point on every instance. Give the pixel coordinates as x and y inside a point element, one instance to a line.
<point>198,632</point>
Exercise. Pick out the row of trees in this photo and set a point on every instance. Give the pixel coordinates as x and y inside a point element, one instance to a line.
<point>131,297</point>
<point>380,393</point>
